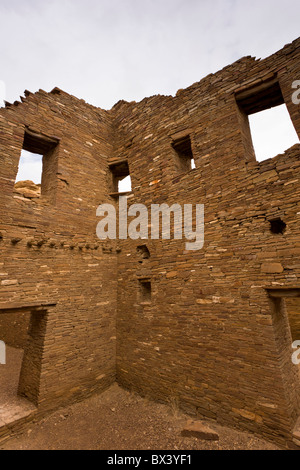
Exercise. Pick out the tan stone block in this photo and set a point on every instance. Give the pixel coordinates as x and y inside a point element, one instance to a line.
<point>271,268</point>
<point>172,274</point>
<point>199,430</point>
<point>9,282</point>
<point>204,301</point>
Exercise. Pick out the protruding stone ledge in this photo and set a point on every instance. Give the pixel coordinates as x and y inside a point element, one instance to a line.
<point>36,306</point>
<point>200,431</point>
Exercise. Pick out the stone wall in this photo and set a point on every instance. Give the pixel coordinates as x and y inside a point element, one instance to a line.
<point>199,327</point>
<point>209,338</point>
<point>49,252</point>
<point>14,329</point>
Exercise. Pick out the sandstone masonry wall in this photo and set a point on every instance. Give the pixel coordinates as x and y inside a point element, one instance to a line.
<point>213,337</point>
<point>49,252</point>
<point>210,339</point>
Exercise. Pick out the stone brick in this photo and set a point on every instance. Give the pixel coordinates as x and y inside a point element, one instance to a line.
<point>200,431</point>
<point>272,268</point>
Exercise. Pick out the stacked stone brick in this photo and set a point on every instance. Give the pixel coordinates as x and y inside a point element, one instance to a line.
<point>212,337</point>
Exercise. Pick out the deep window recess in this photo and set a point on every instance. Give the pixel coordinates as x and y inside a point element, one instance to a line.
<point>143,253</point>
<point>277,226</point>
<point>266,125</point>
<point>120,180</point>
<point>38,164</point>
<point>293,312</point>
<point>183,154</point>
<point>287,303</point>
<point>145,290</point>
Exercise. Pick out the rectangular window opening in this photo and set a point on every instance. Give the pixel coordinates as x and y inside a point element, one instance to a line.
<point>184,157</point>
<point>272,132</point>
<point>120,180</point>
<point>29,177</point>
<point>266,124</point>
<point>37,166</point>
<point>145,290</point>
<point>124,185</point>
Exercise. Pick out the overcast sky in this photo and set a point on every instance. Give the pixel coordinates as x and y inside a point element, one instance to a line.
<point>107,50</point>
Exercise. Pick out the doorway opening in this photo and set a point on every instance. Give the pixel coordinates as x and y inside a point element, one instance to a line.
<point>22,331</point>
<point>285,304</point>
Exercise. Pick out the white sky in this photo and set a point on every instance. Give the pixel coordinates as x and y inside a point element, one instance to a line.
<point>272,132</point>
<point>30,167</point>
<point>107,50</point>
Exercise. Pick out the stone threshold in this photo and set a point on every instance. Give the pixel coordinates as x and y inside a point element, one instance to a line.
<point>13,418</point>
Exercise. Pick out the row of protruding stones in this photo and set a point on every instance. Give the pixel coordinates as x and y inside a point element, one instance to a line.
<point>52,243</point>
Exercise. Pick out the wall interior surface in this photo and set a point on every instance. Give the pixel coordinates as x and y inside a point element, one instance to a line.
<point>210,335</point>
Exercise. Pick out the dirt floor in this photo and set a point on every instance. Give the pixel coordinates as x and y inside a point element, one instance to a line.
<point>119,420</point>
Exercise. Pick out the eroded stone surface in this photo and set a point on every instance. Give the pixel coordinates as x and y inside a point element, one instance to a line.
<point>28,189</point>
<point>199,430</point>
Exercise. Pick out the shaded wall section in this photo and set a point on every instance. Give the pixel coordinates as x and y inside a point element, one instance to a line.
<point>14,329</point>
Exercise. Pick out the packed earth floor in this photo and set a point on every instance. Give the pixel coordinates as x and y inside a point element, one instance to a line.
<point>120,420</point>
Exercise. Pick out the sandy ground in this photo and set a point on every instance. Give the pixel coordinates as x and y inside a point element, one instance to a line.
<point>119,420</point>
